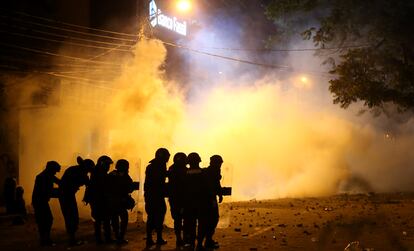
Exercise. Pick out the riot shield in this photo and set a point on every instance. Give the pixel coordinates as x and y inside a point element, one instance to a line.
<point>225,206</point>
<point>134,214</point>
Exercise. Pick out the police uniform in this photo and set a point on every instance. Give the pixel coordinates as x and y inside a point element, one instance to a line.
<point>120,184</point>
<point>176,191</point>
<point>154,193</point>
<point>73,178</point>
<point>42,192</point>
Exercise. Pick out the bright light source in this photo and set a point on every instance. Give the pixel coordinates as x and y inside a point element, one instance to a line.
<point>304,79</point>
<point>184,5</point>
<point>302,82</point>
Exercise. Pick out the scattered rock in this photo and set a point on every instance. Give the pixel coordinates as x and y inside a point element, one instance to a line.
<point>353,246</point>
<point>281,225</point>
<point>237,229</point>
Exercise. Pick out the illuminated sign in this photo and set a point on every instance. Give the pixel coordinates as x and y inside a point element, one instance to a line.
<point>172,23</point>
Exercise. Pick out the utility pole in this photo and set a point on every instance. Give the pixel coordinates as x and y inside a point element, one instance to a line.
<point>142,19</point>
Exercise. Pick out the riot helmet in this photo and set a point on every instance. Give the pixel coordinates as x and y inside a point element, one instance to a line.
<point>162,154</point>
<point>216,161</point>
<point>193,158</point>
<point>52,167</point>
<point>88,164</point>
<point>180,158</point>
<point>122,165</point>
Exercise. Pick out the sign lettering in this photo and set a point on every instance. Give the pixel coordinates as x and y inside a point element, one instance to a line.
<point>171,23</point>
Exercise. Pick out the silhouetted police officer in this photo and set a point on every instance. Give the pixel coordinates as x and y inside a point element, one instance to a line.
<point>9,193</point>
<point>19,207</point>
<point>42,192</point>
<point>214,189</point>
<point>121,186</point>
<point>176,190</point>
<point>73,178</point>
<point>194,203</point>
<point>154,193</point>
<point>96,194</point>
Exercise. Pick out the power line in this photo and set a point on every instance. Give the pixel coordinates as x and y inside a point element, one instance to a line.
<point>83,81</point>
<point>104,53</point>
<point>279,67</point>
<point>223,57</point>
<point>83,66</point>
<point>290,50</point>
<point>166,43</point>
<point>73,25</point>
<point>79,78</point>
<point>58,55</point>
<point>65,36</point>
<point>64,42</point>
<point>70,30</point>
<point>136,36</point>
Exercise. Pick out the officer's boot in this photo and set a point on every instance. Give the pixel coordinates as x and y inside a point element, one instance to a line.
<point>72,240</point>
<point>149,241</point>
<point>160,240</point>
<point>199,246</point>
<point>179,239</point>
<point>98,237</point>
<point>107,231</point>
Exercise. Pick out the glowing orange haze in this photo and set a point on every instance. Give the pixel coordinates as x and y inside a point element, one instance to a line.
<point>273,144</point>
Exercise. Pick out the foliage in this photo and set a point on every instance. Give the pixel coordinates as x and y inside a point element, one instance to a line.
<point>374,60</point>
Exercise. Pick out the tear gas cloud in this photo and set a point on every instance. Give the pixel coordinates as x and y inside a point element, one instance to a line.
<point>278,129</point>
<point>278,135</point>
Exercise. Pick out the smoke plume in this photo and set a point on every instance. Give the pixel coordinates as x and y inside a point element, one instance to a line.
<point>277,131</point>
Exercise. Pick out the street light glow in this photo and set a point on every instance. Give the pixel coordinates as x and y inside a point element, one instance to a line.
<point>302,82</point>
<point>183,5</point>
<point>304,79</point>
